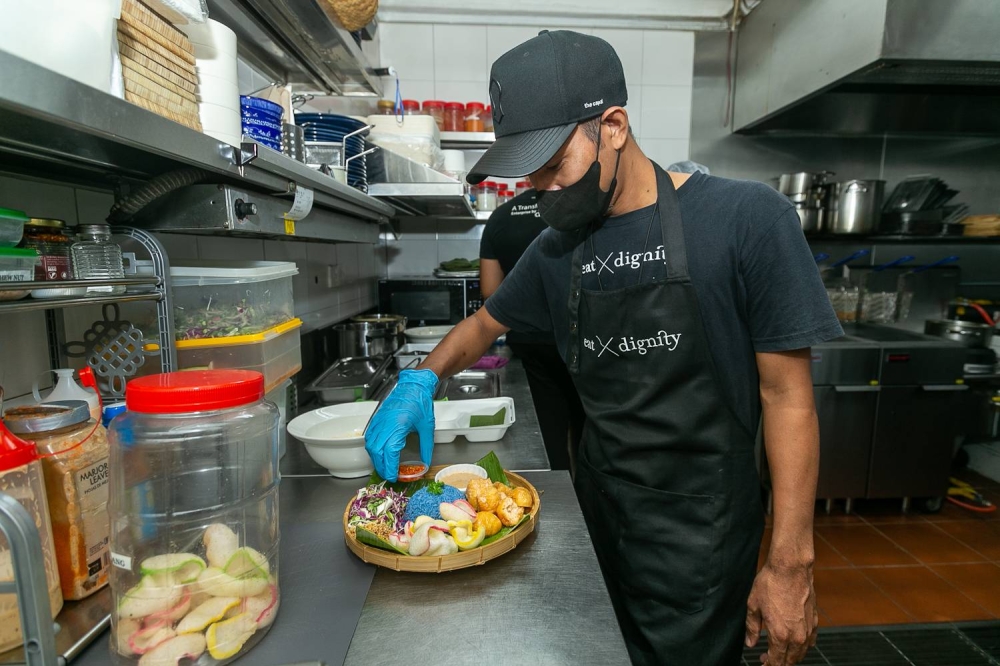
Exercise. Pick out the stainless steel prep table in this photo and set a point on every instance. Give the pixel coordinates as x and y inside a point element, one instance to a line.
<point>544,602</point>
<point>520,450</point>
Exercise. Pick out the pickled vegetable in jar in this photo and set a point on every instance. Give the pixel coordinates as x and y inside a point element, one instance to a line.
<point>488,119</point>
<point>435,109</point>
<point>194,517</point>
<point>411,107</point>
<point>74,453</point>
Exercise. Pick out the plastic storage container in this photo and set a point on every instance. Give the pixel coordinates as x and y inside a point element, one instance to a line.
<point>474,112</point>
<point>411,107</point>
<point>21,478</point>
<point>194,518</point>
<point>222,299</point>
<point>488,119</point>
<point>96,257</point>
<point>276,353</point>
<point>386,107</point>
<point>503,196</point>
<point>49,239</point>
<point>454,117</point>
<point>73,449</point>
<point>279,397</point>
<point>522,187</point>
<point>486,199</point>
<point>16,265</point>
<point>435,109</point>
<point>11,226</point>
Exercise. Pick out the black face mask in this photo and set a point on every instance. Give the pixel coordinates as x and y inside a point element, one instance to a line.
<point>581,204</point>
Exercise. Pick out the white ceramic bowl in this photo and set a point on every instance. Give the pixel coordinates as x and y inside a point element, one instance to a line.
<point>427,334</point>
<point>332,437</point>
<point>220,119</point>
<point>463,467</point>
<point>211,33</point>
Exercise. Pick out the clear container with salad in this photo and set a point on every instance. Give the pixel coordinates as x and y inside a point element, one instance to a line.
<point>194,518</point>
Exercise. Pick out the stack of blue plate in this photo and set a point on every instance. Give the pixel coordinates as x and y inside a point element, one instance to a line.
<point>261,121</point>
<point>330,127</point>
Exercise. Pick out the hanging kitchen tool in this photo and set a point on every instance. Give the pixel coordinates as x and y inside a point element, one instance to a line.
<point>112,347</point>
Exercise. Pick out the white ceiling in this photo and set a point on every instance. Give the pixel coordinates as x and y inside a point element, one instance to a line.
<point>649,14</point>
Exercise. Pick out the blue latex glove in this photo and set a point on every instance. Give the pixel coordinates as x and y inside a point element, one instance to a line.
<point>409,407</point>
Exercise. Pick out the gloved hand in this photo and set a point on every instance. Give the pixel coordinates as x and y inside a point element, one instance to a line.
<point>409,407</point>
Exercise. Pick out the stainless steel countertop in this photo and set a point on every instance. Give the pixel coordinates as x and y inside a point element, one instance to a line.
<point>520,450</point>
<point>543,603</point>
<point>548,595</point>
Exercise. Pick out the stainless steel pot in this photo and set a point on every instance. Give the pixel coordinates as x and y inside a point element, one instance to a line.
<point>969,333</point>
<point>396,321</point>
<point>796,186</point>
<point>809,218</point>
<point>853,206</point>
<point>357,339</point>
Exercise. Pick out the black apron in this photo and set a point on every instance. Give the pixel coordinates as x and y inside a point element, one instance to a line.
<point>667,479</point>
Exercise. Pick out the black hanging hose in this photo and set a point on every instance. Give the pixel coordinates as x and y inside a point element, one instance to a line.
<point>165,183</point>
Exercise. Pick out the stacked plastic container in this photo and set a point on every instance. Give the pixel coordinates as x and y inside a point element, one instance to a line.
<point>194,518</point>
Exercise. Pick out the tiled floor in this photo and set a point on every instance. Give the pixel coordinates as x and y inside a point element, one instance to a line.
<point>878,566</point>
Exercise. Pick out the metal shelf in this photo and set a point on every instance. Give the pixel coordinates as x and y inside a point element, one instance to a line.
<point>30,304</point>
<point>467,140</point>
<point>59,128</point>
<point>66,284</point>
<point>923,240</point>
<point>436,199</point>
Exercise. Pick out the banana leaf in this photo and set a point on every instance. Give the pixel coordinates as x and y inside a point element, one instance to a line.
<point>374,540</point>
<point>494,470</point>
<point>497,419</point>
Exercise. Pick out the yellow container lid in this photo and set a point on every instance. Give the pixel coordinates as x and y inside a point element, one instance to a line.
<point>234,340</point>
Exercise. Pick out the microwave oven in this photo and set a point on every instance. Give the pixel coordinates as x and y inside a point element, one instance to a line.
<point>429,301</point>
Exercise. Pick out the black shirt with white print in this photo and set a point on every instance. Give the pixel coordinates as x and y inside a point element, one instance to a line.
<point>753,273</point>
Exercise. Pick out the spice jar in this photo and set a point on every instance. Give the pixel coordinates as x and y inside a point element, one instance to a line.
<point>503,196</point>
<point>411,107</point>
<point>50,240</point>
<point>435,109</point>
<point>21,478</point>
<point>488,119</point>
<point>74,453</point>
<point>194,498</point>
<point>474,112</point>
<point>386,107</point>
<point>522,187</point>
<point>487,199</point>
<point>454,117</point>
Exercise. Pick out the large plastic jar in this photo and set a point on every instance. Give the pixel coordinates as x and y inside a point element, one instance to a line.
<point>194,517</point>
<point>73,449</point>
<point>454,117</point>
<point>411,107</point>
<point>487,198</point>
<point>21,478</point>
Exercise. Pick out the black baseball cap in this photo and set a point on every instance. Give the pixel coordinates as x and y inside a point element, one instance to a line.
<point>540,91</point>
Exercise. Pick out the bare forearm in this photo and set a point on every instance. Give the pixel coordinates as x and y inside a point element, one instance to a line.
<point>791,434</point>
<point>466,343</point>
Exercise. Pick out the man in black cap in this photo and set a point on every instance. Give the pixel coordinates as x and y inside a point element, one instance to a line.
<point>684,306</point>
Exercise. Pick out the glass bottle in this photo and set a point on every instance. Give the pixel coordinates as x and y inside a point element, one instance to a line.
<point>97,257</point>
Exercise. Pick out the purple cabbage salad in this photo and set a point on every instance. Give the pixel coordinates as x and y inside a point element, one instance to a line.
<point>377,506</point>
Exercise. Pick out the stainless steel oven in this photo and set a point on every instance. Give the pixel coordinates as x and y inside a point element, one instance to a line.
<point>429,301</point>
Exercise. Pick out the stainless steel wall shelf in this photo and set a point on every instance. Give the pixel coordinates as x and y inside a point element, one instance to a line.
<point>437,199</point>
<point>61,129</point>
<point>467,140</point>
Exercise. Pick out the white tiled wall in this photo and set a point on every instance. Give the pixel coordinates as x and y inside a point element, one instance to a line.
<point>334,282</point>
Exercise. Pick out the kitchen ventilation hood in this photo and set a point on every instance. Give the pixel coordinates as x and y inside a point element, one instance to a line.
<point>868,67</point>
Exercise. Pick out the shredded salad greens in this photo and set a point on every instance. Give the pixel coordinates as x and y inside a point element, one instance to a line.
<point>378,509</point>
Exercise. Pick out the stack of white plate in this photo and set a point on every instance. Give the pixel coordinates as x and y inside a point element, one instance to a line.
<point>218,85</point>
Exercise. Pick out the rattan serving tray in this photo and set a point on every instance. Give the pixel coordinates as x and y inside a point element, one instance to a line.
<point>460,560</point>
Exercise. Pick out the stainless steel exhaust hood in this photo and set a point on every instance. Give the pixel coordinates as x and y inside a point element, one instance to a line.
<point>868,67</point>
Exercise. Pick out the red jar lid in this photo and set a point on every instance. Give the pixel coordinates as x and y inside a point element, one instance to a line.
<point>491,185</point>
<point>193,391</point>
<point>506,193</point>
<point>14,451</point>
<point>455,105</point>
<point>433,104</point>
<point>475,106</point>
<point>524,183</point>
<point>411,104</point>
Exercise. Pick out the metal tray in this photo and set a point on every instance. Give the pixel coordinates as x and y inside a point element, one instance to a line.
<point>469,384</point>
<point>351,378</point>
<point>414,351</point>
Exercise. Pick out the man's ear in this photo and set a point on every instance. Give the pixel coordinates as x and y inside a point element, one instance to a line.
<point>616,120</point>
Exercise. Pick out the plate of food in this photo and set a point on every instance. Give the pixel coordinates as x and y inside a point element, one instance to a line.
<point>429,526</point>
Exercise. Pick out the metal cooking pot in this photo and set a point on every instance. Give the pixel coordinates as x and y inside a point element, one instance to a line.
<point>969,333</point>
<point>853,206</point>
<point>796,186</point>
<point>366,339</point>
<point>809,218</point>
<point>398,321</point>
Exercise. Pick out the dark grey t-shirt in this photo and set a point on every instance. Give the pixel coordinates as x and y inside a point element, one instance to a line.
<point>756,281</point>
